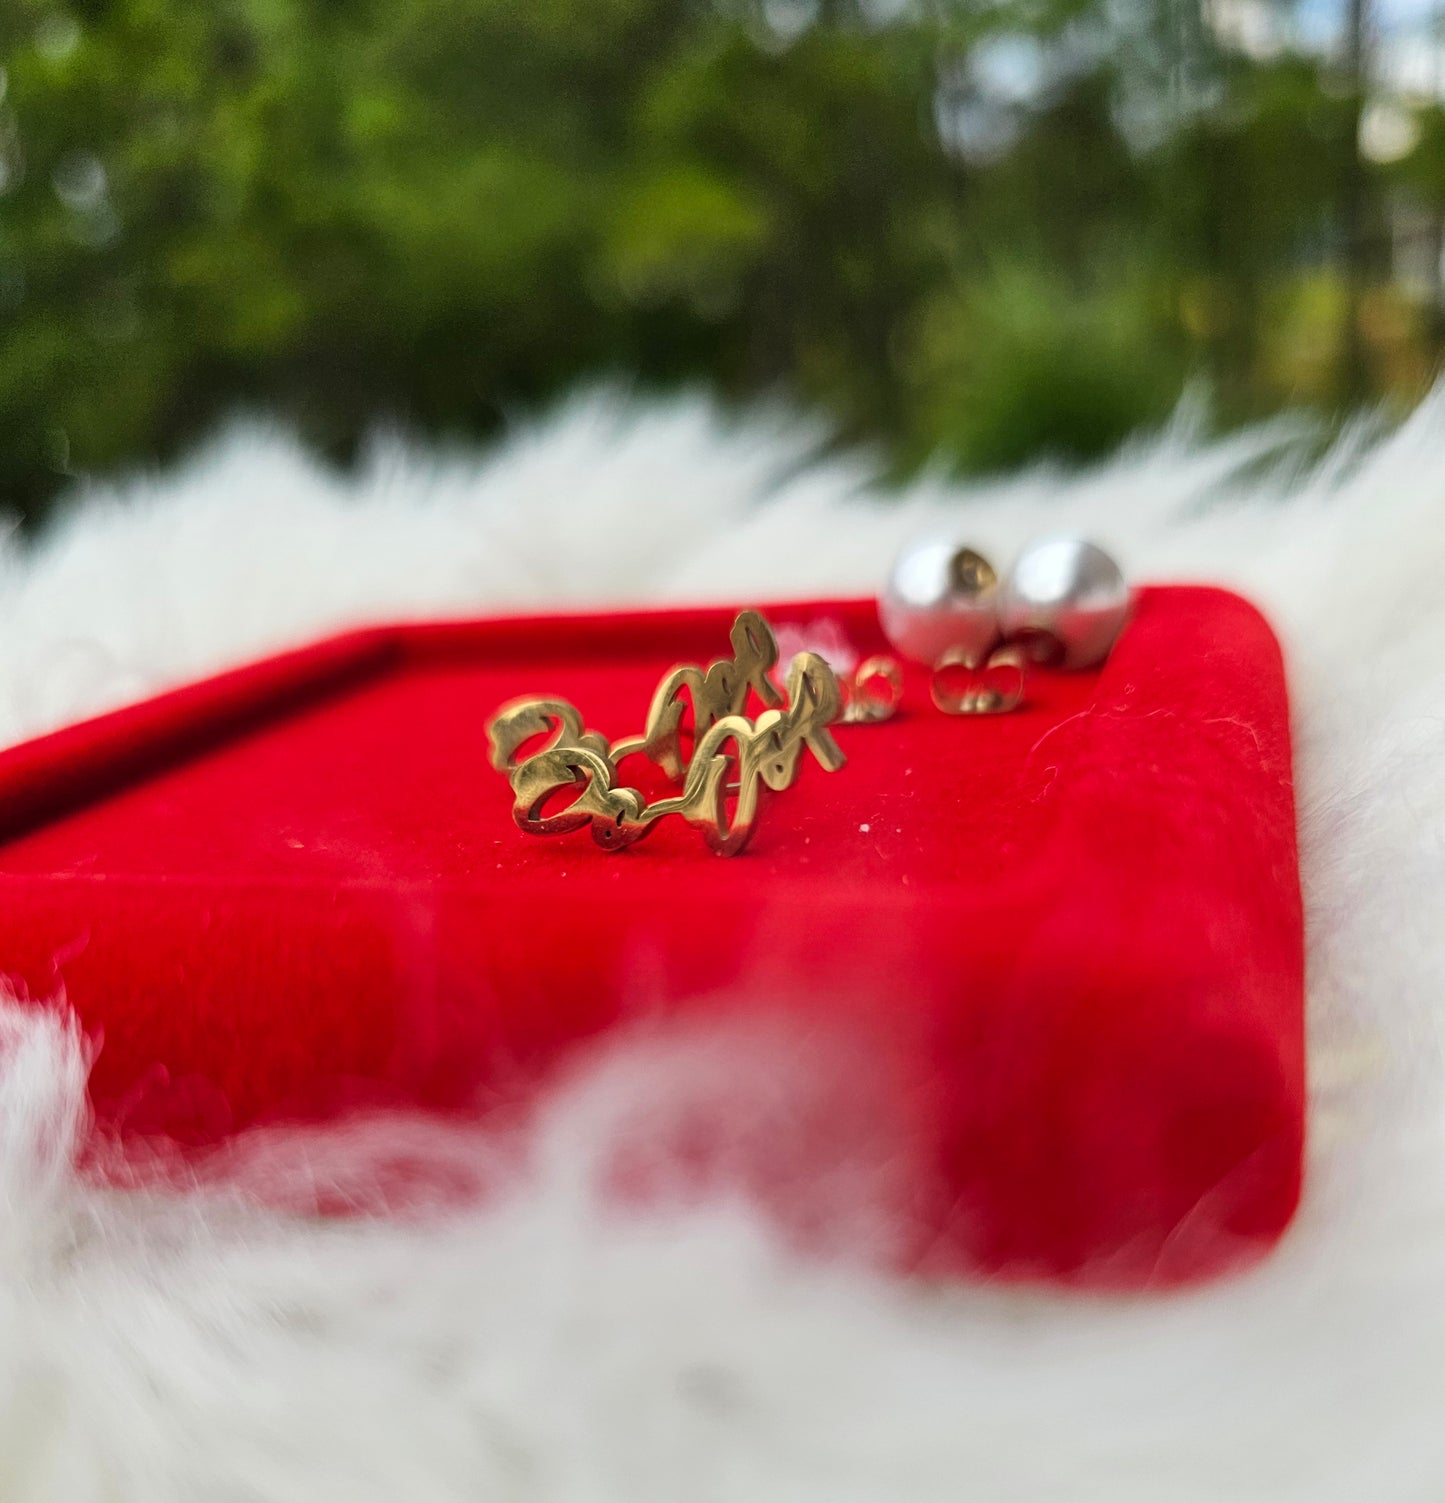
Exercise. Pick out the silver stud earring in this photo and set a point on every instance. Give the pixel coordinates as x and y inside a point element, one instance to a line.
<point>1065,601</point>
<point>941,597</point>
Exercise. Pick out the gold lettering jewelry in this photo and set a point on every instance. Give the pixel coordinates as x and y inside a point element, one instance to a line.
<point>765,752</point>
<point>719,692</point>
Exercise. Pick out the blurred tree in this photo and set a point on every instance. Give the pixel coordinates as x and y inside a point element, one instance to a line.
<point>431,212</point>
<point>996,228</point>
<point>1354,194</point>
<point>1421,173</point>
<point>1244,196</point>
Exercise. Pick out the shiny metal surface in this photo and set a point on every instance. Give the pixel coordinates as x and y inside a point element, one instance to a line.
<point>965,684</point>
<point>1065,600</point>
<point>570,781</point>
<point>873,691</point>
<point>940,596</point>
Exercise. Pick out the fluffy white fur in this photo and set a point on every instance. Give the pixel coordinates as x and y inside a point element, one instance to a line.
<point>171,1349</point>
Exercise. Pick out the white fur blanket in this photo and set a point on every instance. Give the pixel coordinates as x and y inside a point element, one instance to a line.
<point>547,1350</point>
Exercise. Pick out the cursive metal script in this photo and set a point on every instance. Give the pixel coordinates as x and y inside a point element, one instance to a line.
<point>733,757</point>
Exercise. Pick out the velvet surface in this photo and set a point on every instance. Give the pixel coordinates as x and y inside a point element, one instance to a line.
<point>1069,939</point>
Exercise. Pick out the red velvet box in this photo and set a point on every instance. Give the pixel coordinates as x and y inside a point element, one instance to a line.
<point>1071,935</point>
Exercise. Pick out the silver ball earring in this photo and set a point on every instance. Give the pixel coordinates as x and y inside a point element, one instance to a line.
<point>941,597</point>
<point>1065,601</point>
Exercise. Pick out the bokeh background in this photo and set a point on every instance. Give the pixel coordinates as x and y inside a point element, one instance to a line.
<point>973,233</point>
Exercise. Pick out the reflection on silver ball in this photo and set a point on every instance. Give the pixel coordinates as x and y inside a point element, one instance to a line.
<point>940,596</point>
<point>1066,599</point>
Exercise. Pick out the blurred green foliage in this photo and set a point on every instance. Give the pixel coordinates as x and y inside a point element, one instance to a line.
<point>990,230</point>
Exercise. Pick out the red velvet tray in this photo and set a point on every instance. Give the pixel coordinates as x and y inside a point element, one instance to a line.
<point>1071,936</point>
